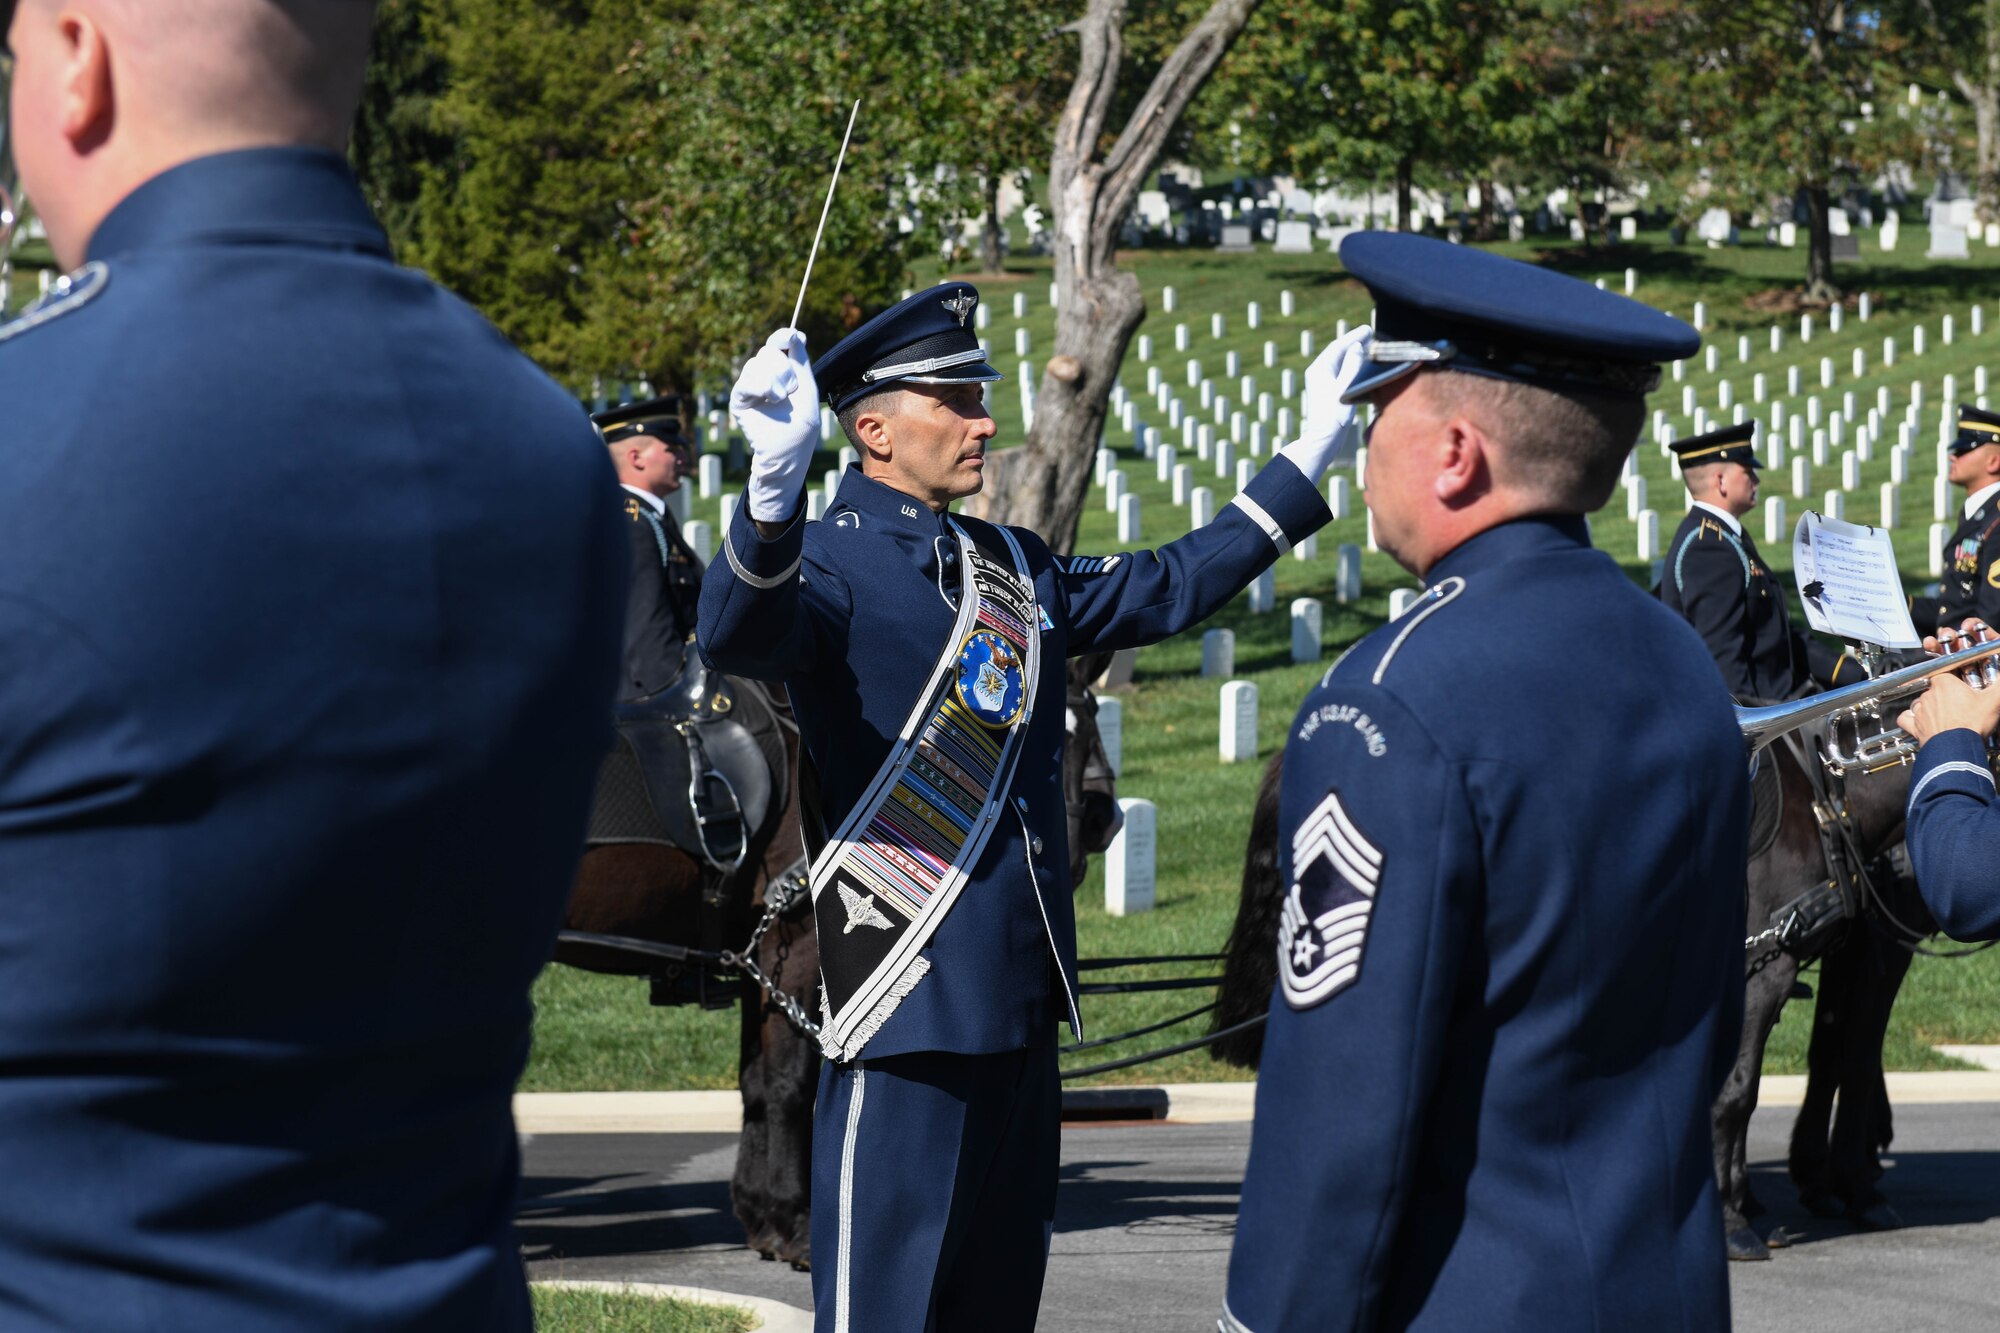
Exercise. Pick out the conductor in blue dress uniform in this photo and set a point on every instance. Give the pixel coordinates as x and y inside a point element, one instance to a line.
<point>922,651</point>
<point>1716,578</point>
<point>1512,832</point>
<point>310,590</point>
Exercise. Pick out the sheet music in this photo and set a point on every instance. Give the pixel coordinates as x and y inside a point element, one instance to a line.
<point>1848,582</point>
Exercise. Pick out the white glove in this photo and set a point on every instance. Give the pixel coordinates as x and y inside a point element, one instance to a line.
<point>776,403</point>
<point>1326,418</point>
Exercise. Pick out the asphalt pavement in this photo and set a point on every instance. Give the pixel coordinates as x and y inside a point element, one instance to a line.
<point>1146,1212</point>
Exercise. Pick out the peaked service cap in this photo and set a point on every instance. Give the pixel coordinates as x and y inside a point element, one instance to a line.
<point>1460,308</point>
<point>657,417</point>
<point>1731,444</point>
<point>926,338</point>
<point>1976,426</point>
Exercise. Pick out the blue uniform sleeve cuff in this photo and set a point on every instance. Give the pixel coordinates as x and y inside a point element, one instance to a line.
<point>760,561</point>
<point>1283,503</point>
<point>1952,761</point>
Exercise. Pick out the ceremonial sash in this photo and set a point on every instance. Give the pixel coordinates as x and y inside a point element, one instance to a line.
<point>888,876</point>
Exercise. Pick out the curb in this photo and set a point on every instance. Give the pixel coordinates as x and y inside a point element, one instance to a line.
<point>777,1317</point>
<point>1186,1103</point>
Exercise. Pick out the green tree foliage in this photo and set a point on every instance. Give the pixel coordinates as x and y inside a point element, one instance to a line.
<point>1755,100</point>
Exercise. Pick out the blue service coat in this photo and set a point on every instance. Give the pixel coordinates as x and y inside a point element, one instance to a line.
<point>310,598</point>
<point>851,614</point>
<point>1512,825</point>
<point>1954,834</point>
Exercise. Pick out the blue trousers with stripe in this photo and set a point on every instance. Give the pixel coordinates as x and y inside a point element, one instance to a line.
<point>934,1189</point>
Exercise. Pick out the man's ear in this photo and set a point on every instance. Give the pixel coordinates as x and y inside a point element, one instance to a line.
<point>1462,467</point>
<point>88,93</point>
<point>872,430</point>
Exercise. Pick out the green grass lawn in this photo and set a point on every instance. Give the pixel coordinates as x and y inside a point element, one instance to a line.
<point>598,1032</point>
<point>566,1310</point>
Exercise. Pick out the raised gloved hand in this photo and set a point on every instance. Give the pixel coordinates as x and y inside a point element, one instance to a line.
<point>776,403</point>
<point>1326,418</point>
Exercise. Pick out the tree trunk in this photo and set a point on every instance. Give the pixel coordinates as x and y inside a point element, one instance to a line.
<point>990,258</point>
<point>1487,227</point>
<point>1986,173</point>
<point>1405,168</point>
<point>1819,246</point>
<point>1044,484</point>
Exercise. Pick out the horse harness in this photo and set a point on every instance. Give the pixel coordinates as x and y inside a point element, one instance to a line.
<point>1804,926</point>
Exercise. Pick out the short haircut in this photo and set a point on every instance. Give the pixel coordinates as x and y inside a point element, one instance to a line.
<point>1567,447</point>
<point>1699,478</point>
<point>883,403</point>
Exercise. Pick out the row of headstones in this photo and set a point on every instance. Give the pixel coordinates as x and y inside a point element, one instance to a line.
<point>1169,302</point>
<point>1833,505</point>
<point>1130,860</point>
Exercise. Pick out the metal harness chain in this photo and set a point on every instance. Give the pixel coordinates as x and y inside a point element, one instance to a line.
<point>779,897</point>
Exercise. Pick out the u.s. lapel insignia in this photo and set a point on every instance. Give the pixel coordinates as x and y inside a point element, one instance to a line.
<point>960,306</point>
<point>1324,926</point>
<point>632,509</point>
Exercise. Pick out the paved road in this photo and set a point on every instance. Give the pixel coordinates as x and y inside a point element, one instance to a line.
<point>1145,1216</point>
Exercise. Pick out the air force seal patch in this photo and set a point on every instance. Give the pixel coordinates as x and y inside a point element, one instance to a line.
<point>1324,928</point>
<point>991,681</point>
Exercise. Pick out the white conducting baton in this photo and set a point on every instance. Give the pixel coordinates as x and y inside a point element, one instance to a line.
<point>824,210</point>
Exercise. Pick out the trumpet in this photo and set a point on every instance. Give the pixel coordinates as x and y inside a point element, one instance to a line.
<point>1870,707</point>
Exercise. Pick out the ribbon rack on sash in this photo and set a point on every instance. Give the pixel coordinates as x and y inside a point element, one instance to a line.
<point>893,869</point>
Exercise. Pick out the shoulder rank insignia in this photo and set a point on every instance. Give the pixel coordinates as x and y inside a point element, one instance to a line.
<point>69,294</point>
<point>1089,564</point>
<point>1324,927</point>
<point>860,912</point>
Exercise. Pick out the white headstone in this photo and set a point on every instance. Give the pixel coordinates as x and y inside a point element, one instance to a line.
<point>1201,508</point>
<point>1225,458</point>
<point>1020,342</point>
<point>1285,303</point>
<point>1239,721</point>
<point>1940,534</point>
<point>1401,600</point>
<point>1111,730</point>
<point>1183,483</point>
<point>710,471</point>
<point>1106,460</point>
<point>1264,591</point>
<point>1307,547</point>
<point>1850,471</point>
<point>1163,462</point>
<point>1774,521</point>
<point>1338,497</point>
<point>1167,300</point>
<point>701,540</point>
<point>1020,305</point>
<point>1892,230</point>
<point>1863,305</point>
<point>1836,505</point>
<point>1892,510</point>
<point>1294,238</point>
<point>1942,506</point>
<point>1801,477</point>
<point>1218,654</point>
<point>1114,489</point>
<point>1635,497</point>
<point>1788,234</point>
<point>1215,326</point>
<point>728,513</point>
<point>1306,615</point>
<point>1649,535</point>
<point>1129,860</point>
<point>1947,242</point>
<point>1347,573</point>
<point>815,506</point>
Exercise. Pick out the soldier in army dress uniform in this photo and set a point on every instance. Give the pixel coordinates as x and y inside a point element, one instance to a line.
<point>303,684</point>
<point>650,452</point>
<point>1716,579</point>
<point>1970,587</point>
<point>1512,830</point>
<point>923,653</point>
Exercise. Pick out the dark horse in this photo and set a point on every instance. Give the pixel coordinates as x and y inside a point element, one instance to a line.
<point>653,892</point>
<point>1834,1159</point>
